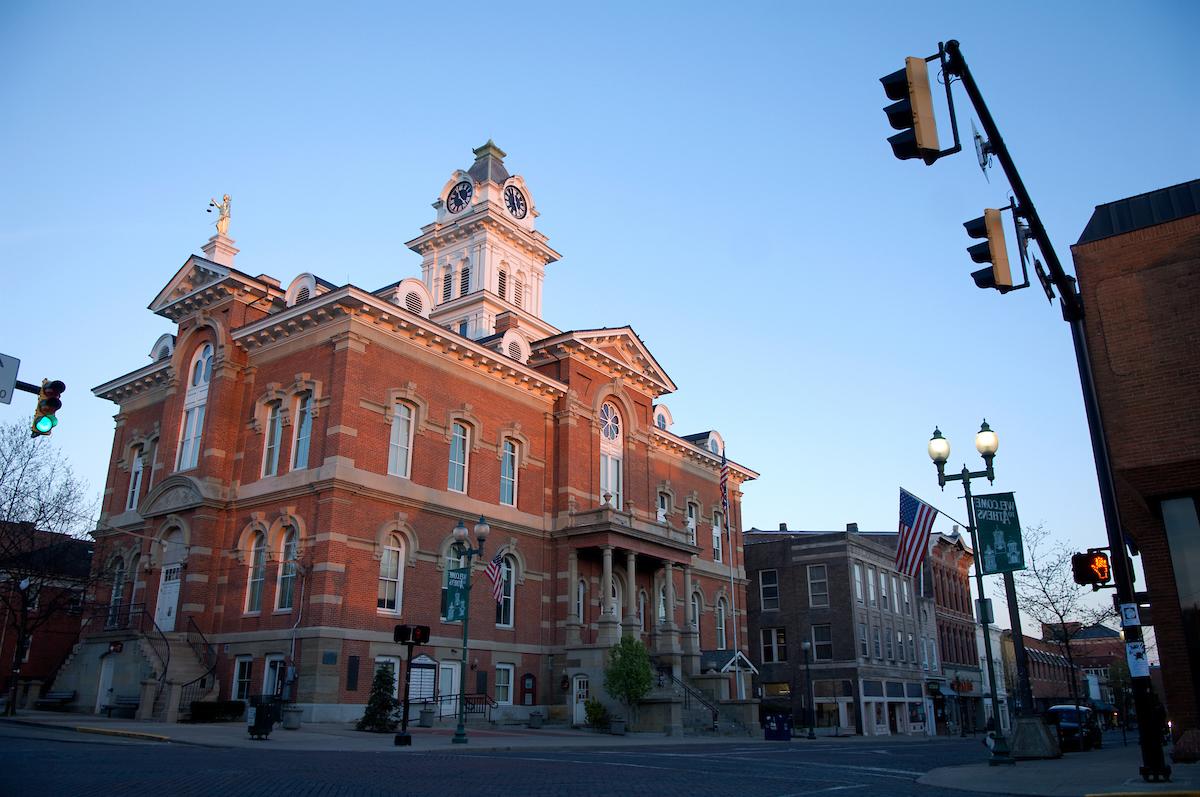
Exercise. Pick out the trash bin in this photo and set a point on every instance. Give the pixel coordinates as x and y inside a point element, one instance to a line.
<point>535,719</point>
<point>425,719</point>
<point>777,728</point>
<point>291,717</point>
<point>260,717</point>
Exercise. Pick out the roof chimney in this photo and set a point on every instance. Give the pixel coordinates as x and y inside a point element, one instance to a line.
<point>783,527</point>
<point>852,527</point>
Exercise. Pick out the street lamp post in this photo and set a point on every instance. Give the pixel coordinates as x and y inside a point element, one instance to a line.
<point>482,530</point>
<point>986,443</point>
<point>812,704</point>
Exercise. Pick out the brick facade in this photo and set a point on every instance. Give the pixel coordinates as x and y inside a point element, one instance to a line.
<point>384,395</point>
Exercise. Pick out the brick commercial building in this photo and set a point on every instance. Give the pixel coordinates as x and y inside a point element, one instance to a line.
<point>1138,264</point>
<point>287,471</point>
<point>1050,673</point>
<point>947,578</point>
<point>870,654</point>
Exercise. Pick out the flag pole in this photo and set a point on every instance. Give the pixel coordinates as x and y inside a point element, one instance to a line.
<point>737,651</point>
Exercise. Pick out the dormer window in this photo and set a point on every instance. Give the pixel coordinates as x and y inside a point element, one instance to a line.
<point>303,288</point>
<point>660,421</point>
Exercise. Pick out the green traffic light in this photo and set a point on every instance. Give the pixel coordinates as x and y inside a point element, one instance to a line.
<point>46,424</point>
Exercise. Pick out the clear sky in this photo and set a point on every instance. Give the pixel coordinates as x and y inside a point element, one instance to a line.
<point>715,176</point>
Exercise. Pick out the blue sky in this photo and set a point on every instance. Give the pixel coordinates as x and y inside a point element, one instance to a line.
<point>717,177</point>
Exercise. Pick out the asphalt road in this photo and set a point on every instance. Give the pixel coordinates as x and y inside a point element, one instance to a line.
<point>49,762</point>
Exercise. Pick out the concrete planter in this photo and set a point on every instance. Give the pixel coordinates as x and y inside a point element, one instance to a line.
<point>425,719</point>
<point>291,717</point>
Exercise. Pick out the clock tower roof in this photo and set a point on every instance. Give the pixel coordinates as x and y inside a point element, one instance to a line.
<point>489,164</point>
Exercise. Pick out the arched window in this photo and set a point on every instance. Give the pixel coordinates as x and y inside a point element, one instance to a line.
<point>254,578</point>
<point>400,445</point>
<point>581,600</point>
<point>662,604</point>
<point>303,431</point>
<point>192,423</point>
<point>455,559</point>
<point>720,617</point>
<point>285,589</point>
<point>611,453</point>
<point>717,532</point>
<point>506,606</point>
<point>508,473</point>
<point>115,608</point>
<point>695,609</point>
<point>617,595</point>
<point>459,452</point>
<point>391,576</point>
<point>135,479</point>
<point>272,443</point>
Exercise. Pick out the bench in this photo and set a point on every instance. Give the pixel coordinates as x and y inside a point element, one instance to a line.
<point>126,705</point>
<point>55,700</point>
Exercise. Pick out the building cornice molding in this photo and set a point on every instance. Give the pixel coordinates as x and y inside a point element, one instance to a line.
<point>484,217</point>
<point>155,375</point>
<point>667,441</point>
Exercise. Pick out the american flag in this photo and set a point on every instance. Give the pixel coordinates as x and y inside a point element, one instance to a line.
<point>916,519</point>
<point>495,571</point>
<point>724,485</point>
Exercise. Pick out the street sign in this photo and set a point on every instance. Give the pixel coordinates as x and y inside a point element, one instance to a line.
<point>456,594</point>
<point>8,377</point>
<point>999,533</point>
<point>1129,615</point>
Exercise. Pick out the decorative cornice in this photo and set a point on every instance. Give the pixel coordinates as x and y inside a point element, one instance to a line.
<point>694,453</point>
<point>486,217</point>
<point>155,375</point>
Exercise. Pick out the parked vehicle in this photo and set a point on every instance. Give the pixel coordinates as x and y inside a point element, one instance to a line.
<point>1078,728</point>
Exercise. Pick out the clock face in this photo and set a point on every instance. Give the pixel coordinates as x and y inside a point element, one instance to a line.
<point>515,201</point>
<point>459,197</point>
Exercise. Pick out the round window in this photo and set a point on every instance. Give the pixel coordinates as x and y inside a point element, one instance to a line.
<point>610,422</point>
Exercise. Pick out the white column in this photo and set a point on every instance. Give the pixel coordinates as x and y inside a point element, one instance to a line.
<point>572,580</point>
<point>606,583</point>
<point>669,575</point>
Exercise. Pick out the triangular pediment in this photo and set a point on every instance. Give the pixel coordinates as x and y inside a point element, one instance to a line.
<point>195,274</point>
<point>623,346</point>
<point>201,283</point>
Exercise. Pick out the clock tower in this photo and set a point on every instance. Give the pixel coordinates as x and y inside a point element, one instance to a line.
<point>481,258</point>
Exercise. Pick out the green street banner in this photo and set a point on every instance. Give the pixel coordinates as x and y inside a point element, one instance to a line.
<point>999,533</point>
<point>456,594</point>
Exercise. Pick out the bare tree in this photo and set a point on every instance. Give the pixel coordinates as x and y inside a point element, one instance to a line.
<point>45,549</point>
<point>1047,592</point>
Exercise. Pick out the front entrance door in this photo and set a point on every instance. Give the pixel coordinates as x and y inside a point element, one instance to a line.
<point>104,695</point>
<point>168,597</point>
<point>448,686</point>
<point>579,698</point>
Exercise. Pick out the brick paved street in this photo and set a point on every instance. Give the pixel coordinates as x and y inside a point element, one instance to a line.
<point>50,762</point>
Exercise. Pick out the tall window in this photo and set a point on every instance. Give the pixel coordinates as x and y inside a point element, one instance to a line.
<point>907,597</point>
<point>150,463</point>
<point>664,506</point>
<point>192,424</point>
<point>887,641</point>
<point>768,589</point>
<point>858,582</point>
<point>254,578</point>
<point>457,480</point>
<point>611,453</point>
<point>720,616</point>
<point>863,650</point>
<point>662,604</point>
<point>718,521</point>
<point>303,432</point>
<point>912,648</point>
<point>400,444</point>
<point>875,641</point>
<point>287,571</point>
<point>896,593</point>
<point>692,512</point>
<point>871,586</point>
<point>135,479</point>
<point>391,570</point>
<point>274,431</point>
<point>508,473</point>
<point>818,585</point>
<point>118,592</point>
<point>883,592</point>
<point>580,600</point>
<point>900,645</point>
<point>504,607</point>
<point>696,609</point>
<point>504,682</point>
<point>519,293</point>
<point>822,639</point>
<point>774,645</point>
<point>243,675</point>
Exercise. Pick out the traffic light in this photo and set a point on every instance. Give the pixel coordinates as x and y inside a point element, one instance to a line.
<point>48,403</point>
<point>912,112</point>
<point>1091,568</point>
<point>993,250</point>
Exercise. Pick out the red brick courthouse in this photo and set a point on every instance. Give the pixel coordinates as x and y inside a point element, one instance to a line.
<point>287,471</point>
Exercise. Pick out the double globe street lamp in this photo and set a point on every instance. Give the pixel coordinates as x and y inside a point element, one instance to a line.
<point>464,550</point>
<point>986,443</point>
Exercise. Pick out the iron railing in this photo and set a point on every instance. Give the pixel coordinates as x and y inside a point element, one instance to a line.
<point>207,655</point>
<point>478,704</point>
<point>692,697</point>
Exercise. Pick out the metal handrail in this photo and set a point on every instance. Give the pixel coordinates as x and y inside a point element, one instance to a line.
<point>480,703</point>
<point>207,655</point>
<point>690,694</point>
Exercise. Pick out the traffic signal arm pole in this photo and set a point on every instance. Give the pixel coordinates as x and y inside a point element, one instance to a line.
<point>1154,765</point>
<point>28,388</point>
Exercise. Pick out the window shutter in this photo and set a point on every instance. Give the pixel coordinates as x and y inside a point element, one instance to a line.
<point>464,283</point>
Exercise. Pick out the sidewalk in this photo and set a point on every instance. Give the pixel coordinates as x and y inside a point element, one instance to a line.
<point>1112,770</point>
<point>343,737</point>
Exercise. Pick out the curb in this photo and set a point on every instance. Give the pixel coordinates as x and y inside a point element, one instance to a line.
<point>153,737</point>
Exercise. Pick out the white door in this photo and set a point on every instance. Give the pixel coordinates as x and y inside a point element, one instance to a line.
<point>168,597</point>
<point>579,697</point>
<point>448,686</point>
<point>104,696</point>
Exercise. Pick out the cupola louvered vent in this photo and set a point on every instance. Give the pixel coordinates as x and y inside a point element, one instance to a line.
<point>447,286</point>
<point>514,350</point>
<point>413,302</point>
<point>503,285</point>
<point>464,282</point>
<point>302,295</point>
